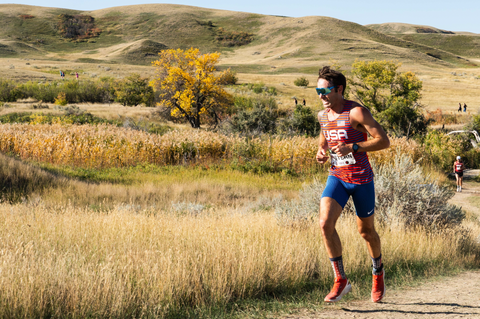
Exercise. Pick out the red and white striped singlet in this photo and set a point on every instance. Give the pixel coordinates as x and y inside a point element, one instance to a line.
<point>340,130</point>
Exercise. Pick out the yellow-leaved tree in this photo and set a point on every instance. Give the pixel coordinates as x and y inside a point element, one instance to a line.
<point>188,84</point>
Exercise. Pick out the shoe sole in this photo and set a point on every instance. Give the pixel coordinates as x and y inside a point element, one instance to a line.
<point>384,289</point>
<point>345,291</point>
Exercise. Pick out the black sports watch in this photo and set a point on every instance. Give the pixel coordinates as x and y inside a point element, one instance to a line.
<point>355,147</point>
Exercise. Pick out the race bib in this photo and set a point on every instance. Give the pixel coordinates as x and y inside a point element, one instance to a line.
<point>336,160</point>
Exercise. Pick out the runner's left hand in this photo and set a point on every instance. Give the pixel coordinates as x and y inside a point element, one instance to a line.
<point>341,149</point>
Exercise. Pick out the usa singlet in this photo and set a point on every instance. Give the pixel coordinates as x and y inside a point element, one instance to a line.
<point>352,168</point>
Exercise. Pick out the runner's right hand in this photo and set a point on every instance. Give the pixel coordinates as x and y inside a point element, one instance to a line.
<point>322,156</point>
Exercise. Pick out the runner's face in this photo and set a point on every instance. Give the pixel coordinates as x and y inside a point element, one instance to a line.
<point>332,98</point>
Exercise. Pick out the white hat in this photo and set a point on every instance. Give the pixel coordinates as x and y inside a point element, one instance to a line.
<point>458,158</point>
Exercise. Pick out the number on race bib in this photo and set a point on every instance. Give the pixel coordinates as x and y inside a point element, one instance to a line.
<point>336,160</point>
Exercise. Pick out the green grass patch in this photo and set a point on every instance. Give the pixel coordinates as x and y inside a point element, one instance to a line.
<point>169,175</point>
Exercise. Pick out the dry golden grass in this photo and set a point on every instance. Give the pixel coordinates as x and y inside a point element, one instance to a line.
<point>106,146</point>
<point>123,263</point>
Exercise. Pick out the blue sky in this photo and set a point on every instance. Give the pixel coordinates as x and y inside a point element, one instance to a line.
<point>447,15</point>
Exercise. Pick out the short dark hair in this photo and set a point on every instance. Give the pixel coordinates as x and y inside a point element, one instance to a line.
<point>332,76</point>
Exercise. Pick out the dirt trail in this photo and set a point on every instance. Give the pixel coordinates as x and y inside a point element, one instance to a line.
<point>451,297</point>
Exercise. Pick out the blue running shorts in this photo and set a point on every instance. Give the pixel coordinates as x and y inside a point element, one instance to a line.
<point>363,195</point>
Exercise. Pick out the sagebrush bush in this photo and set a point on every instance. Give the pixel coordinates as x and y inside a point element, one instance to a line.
<point>405,194</point>
<point>257,116</point>
<point>187,208</point>
<point>301,81</point>
<point>304,210</point>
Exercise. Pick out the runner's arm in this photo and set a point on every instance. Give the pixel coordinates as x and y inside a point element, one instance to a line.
<point>362,120</point>
<point>321,156</point>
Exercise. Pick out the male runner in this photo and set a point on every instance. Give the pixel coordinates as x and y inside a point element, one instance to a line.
<point>344,126</point>
<point>458,168</point>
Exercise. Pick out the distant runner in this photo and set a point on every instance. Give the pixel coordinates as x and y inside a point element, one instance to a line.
<point>458,169</point>
<point>344,128</point>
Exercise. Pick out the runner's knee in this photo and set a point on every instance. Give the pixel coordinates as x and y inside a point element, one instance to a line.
<point>368,234</point>
<point>327,226</point>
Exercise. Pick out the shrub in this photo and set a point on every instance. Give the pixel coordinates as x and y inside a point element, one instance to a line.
<point>228,77</point>
<point>261,118</point>
<point>400,119</point>
<point>15,118</point>
<point>405,195</point>
<point>258,88</point>
<point>187,208</point>
<point>441,149</point>
<point>61,99</point>
<point>271,90</point>
<point>134,90</point>
<point>233,38</point>
<point>301,211</point>
<point>9,91</point>
<point>301,121</point>
<point>476,123</point>
<point>301,81</point>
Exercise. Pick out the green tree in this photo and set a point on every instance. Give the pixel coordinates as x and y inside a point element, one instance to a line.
<point>134,90</point>
<point>189,86</point>
<point>390,95</point>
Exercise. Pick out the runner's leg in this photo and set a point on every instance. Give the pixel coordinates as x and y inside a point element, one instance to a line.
<point>366,228</point>
<point>333,200</point>
<point>330,210</point>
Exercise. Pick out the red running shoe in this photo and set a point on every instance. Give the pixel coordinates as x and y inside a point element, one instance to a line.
<point>378,287</point>
<point>340,288</point>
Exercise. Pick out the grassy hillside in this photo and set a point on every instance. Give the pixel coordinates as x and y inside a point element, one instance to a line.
<point>134,35</point>
<point>459,43</point>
